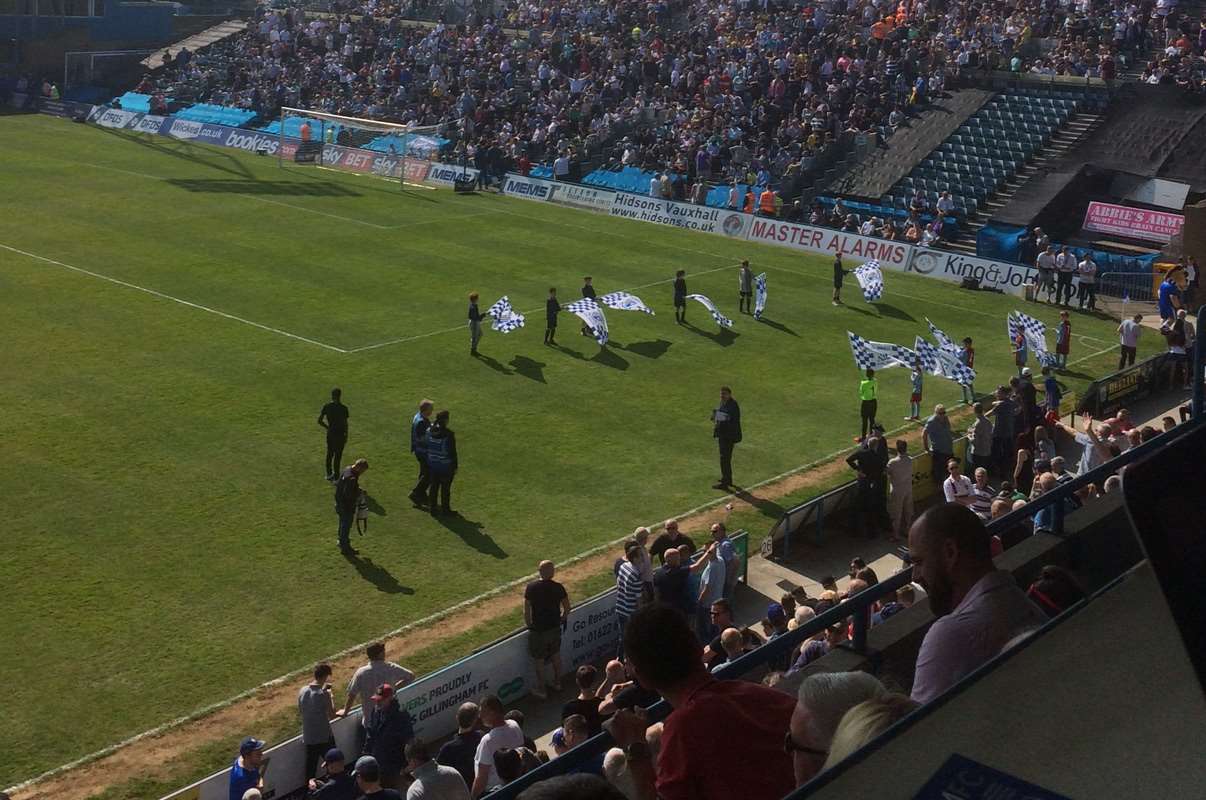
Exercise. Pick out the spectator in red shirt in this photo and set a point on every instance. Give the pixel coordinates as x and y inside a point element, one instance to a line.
<point>696,763</point>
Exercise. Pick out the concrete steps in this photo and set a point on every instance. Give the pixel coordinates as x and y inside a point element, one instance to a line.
<point>197,41</point>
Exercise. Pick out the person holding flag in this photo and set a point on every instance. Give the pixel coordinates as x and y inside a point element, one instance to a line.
<point>475,324</point>
<point>915,378</point>
<point>839,275</point>
<point>680,296</point>
<point>759,294</point>
<point>1063,341</point>
<point>967,357</point>
<point>1019,350</point>
<point>588,292</point>
<point>868,395</point>
<point>745,289</point>
<point>551,309</point>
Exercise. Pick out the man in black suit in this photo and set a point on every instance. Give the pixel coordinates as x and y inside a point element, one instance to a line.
<point>726,429</point>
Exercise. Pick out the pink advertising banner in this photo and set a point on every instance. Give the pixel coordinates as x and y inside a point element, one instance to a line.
<point>1136,223</point>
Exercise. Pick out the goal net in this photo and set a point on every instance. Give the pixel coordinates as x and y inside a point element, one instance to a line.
<point>388,149</point>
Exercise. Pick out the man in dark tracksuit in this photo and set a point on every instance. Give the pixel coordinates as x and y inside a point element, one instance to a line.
<point>869,462</point>
<point>334,417</point>
<point>726,429</point>
<point>419,424</point>
<point>442,463</point>
<point>587,291</point>
<point>347,494</point>
<point>680,296</point>
<point>391,730</point>
<point>551,309</point>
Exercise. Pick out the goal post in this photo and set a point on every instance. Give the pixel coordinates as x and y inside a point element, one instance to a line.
<point>388,149</point>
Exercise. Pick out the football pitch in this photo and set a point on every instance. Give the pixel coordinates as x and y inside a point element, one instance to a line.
<point>174,316</point>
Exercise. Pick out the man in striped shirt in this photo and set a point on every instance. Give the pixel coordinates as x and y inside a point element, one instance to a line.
<point>628,588</point>
<point>982,495</point>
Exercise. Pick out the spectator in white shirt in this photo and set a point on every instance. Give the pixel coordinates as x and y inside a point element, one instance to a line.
<point>501,733</point>
<point>655,186</point>
<point>957,488</point>
<point>978,608</point>
<point>1128,339</point>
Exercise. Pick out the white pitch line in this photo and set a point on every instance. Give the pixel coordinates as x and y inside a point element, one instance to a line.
<point>461,327</point>
<point>155,293</point>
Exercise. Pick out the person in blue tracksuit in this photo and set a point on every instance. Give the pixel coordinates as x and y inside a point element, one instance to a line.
<point>419,424</point>
<point>441,464</point>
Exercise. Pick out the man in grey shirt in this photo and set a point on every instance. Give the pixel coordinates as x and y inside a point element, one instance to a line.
<point>365,681</point>
<point>939,442</point>
<point>432,781</point>
<point>317,707</point>
<point>979,609</point>
<point>979,439</point>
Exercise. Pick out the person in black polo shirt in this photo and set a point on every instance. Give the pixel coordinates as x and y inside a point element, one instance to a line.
<point>671,537</point>
<point>551,309</point>
<point>726,429</point>
<point>334,417</point>
<point>680,296</point>
<point>546,608</point>
<point>459,751</point>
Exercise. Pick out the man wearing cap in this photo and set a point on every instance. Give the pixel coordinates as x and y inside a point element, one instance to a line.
<point>245,773</point>
<point>347,495</point>
<point>337,783</point>
<point>368,781</point>
<point>392,728</point>
<point>777,617</point>
<point>432,781</point>
<point>365,681</point>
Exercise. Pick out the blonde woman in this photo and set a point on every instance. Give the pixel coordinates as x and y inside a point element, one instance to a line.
<point>865,722</point>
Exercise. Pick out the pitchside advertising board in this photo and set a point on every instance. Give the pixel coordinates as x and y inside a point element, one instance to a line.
<point>680,215</point>
<point>954,267</point>
<point>374,163</point>
<point>502,669</point>
<point>826,241</point>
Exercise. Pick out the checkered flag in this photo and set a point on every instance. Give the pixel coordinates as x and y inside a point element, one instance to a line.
<point>1034,333</point>
<point>623,301</point>
<point>944,342</point>
<point>759,295</point>
<point>721,319</point>
<point>871,279</point>
<point>943,363</point>
<point>591,315</point>
<point>506,319</point>
<point>880,355</point>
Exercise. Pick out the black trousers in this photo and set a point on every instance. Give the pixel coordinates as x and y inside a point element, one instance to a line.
<point>420,490</point>
<point>314,756</point>
<point>1127,356</point>
<point>335,445</point>
<point>1063,288</point>
<point>867,411</point>
<point>1088,294</point>
<point>726,460</point>
<point>441,487</point>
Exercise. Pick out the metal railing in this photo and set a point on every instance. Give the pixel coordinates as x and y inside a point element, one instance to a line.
<point>857,608</point>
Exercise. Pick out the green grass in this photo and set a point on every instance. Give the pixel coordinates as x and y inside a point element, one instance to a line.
<point>171,539</point>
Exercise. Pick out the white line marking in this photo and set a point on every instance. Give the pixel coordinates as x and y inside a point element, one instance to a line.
<point>461,327</point>
<point>316,211</point>
<point>159,294</point>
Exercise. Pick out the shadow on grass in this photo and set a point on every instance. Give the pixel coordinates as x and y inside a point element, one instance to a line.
<point>609,358</point>
<point>724,337</point>
<point>472,533</point>
<point>779,326</point>
<point>373,506</point>
<point>859,309</point>
<point>493,364</point>
<point>295,188</point>
<point>888,310</point>
<point>653,349</point>
<point>179,148</point>
<point>1071,373</point>
<point>377,575</point>
<point>571,353</point>
<point>768,508</point>
<point>529,368</point>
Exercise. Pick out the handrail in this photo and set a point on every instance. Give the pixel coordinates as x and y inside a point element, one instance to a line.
<point>854,606</point>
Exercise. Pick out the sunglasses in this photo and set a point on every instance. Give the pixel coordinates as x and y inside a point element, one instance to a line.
<point>790,746</point>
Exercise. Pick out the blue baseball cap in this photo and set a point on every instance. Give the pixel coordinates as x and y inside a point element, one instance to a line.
<point>775,612</point>
<point>333,755</point>
<point>250,745</point>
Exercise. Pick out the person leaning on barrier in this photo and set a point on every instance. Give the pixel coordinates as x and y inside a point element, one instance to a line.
<point>546,609</point>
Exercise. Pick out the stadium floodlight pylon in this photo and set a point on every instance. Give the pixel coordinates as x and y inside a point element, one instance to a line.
<point>354,144</point>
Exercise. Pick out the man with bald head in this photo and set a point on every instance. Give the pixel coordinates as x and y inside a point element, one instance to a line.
<point>546,609</point>
<point>978,608</point>
<point>670,582</point>
<point>671,537</point>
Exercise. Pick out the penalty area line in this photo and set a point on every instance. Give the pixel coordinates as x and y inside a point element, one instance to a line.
<point>164,296</point>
